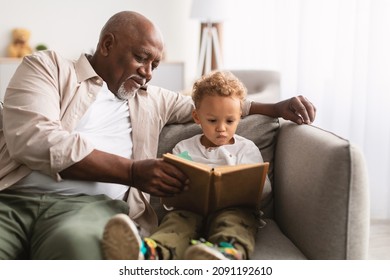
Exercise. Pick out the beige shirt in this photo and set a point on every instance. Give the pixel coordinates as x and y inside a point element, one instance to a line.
<point>45,100</point>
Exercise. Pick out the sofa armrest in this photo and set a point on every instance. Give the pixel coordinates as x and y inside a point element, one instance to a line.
<point>321,193</point>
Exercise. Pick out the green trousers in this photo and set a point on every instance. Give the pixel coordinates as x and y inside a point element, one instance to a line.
<point>178,227</point>
<point>48,226</point>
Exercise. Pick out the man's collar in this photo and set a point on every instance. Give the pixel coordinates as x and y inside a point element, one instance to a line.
<point>83,68</point>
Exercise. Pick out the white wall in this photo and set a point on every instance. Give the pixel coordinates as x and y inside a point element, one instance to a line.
<point>73,26</point>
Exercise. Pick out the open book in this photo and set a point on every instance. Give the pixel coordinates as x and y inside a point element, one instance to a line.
<point>216,188</point>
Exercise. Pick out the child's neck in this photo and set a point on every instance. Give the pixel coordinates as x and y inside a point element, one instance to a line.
<point>208,144</point>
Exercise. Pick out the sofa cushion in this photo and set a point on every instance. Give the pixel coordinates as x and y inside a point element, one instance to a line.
<point>272,244</point>
<point>258,128</point>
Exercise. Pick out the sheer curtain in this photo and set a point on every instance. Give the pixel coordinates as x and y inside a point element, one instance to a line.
<point>337,53</point>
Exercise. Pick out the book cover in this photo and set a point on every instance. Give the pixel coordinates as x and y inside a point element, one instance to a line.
<point>212,189</point>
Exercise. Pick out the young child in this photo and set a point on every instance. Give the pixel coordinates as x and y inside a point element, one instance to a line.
<point>230,232</point>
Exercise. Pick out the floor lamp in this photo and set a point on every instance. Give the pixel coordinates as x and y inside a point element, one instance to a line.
<point>209,12</point>
<point>209,45</point>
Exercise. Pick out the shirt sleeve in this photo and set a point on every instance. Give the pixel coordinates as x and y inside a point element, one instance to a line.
<point>33,113</point>
<point>246,107</point>
<point>177,107</point>
<point>178,148</point>
<point>250,153</point>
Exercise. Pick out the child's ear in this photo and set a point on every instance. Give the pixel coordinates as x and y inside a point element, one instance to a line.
<point>195,116</point>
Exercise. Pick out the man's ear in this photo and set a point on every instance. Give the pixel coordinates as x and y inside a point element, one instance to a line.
<point>195,116</point>
<point>107,43</point>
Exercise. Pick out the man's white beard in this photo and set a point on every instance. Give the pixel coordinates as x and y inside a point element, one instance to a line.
<point>124,94</point>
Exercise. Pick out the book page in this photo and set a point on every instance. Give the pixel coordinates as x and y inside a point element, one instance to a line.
<point>231,168</point>
<point>181,162</point>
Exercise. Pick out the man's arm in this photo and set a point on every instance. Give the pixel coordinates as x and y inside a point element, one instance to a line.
<point>151,176</point>
<point>297,109</point>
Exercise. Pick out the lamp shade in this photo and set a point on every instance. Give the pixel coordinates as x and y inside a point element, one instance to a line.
<point>210,10</point>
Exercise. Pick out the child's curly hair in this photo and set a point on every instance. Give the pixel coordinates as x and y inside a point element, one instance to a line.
<point>218,83</point>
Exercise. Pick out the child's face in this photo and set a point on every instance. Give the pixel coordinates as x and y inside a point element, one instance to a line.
<point>219,117</point>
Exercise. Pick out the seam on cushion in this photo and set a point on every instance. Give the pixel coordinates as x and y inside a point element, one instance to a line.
<point>350,185</point>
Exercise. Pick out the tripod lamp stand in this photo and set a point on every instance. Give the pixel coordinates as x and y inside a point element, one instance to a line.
<point>209,45</point>
<point>210,12</point>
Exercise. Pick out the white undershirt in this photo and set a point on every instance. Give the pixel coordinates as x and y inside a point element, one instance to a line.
<point>107,125</point>
<point>240,152</point>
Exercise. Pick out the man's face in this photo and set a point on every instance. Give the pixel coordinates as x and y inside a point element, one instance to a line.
<point>131,63</point>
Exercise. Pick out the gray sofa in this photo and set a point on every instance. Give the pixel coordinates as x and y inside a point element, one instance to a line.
<point>319,204</point>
